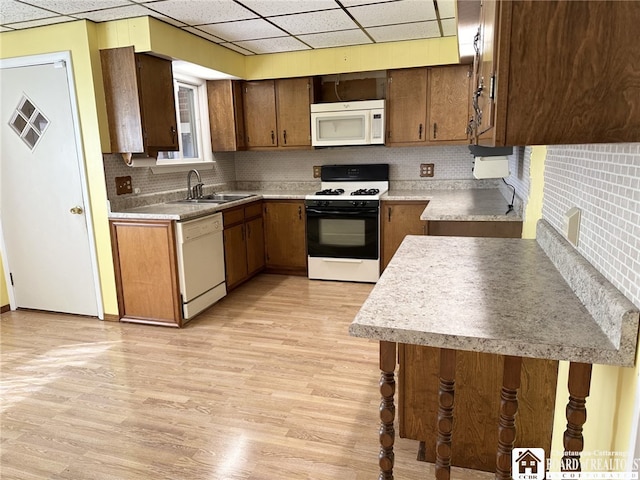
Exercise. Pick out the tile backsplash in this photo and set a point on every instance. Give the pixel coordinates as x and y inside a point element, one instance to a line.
<point>603,181</point>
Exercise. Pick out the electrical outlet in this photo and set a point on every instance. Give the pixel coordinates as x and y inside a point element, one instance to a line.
<point>426,169</point>
<point>317,171</point>
<point>123,185</point>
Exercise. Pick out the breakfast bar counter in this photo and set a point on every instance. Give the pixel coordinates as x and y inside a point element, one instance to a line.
<point>513,297</point>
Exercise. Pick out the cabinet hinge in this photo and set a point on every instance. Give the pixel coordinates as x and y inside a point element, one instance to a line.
<point>11,278</point>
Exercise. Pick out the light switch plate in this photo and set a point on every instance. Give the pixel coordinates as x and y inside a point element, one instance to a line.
<point>123,185</point>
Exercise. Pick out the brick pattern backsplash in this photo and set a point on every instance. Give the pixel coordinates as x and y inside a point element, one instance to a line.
<point>604,182</point>
<point>143,178</point>
<point>451,163</point>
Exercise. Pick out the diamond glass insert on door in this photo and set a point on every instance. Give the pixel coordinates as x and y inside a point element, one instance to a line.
<point>28,122</point>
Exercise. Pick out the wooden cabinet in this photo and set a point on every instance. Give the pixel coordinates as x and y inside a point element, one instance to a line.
<point>407,106</point>
<point>399,219</point>
<point>448,104</point>
<point>145,262</point>
<point>498,229</point>
<point>285,237</point>
<point>140,102</point>
<point>557,72</point>
<point>226,115</point>
<point>243,243</point>
<point>277,113</point>
<point>428,105</point>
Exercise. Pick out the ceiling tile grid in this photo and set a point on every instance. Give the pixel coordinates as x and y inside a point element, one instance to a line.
<point>254,27</point>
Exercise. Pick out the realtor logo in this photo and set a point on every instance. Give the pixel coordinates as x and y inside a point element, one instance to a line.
<point>527,464</point>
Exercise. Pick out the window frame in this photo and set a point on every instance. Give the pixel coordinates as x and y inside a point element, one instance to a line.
<point>201,106</point>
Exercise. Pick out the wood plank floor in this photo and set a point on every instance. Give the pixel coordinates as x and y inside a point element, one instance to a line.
<point>264,385</point>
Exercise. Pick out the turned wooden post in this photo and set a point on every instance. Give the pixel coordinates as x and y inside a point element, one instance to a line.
<point>445,413</point>
<point>579,384</point>
<point>387,409</point>
<point>508,410</point>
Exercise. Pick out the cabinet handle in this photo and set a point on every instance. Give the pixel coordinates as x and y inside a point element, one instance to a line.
<point>174,133</point>
<point>273,138</point>
<point>284,135</point>
<point>420,132</point>
<point>299,213</point>
<point>435,130</point>
<point>389,211</point>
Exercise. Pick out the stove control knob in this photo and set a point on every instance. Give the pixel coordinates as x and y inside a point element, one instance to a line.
<point>354,203</point>
<point>363,204</point>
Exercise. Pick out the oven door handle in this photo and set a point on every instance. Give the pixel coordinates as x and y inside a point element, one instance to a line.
<point>314,212</point>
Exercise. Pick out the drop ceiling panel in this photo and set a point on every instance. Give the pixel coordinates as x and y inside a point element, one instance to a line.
<point>203,34</point>
<point>75,6</point>
<point>449,27</point>
<point>388,14</point>
<point>118,13</point>
<point>273,45</point>
<point>325,21</point>
<point>447,8</point>
<point>407,31</point>
<point>43,21</point>
<point>243,30</point>
<point>198,12</point>
<point>13,11</point>
<point>335,39</point>
<point>269,8</point>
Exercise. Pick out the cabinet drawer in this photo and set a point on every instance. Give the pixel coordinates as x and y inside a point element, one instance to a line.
<point>253,210</point>
<point>234,216</point>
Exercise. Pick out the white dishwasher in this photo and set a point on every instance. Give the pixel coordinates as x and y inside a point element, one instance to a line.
<point>200,263</point>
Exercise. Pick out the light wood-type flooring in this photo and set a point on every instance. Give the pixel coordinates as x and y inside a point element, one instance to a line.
<point>266,384</point>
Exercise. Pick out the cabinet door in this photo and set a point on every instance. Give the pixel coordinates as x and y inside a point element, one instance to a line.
<point>407,106</point>
<point>399,219</point>
<point>260,114</point>
<point>158,104</point>
<point>235,255</point>
<point>484,83</point>
<point>226,115</point>
<point>285,236</point>
<point>255,245</point>
<point>448,103</point>
<point>145,261</point>
<point>294,112</point>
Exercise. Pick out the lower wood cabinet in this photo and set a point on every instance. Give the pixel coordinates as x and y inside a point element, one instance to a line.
<point>398,219</point>
<point>243,243</point>
<point>145,262</point>
<point>499,229</point>
<point>285,237</point>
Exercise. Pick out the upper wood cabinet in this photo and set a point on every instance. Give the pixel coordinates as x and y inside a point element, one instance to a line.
<point>277,113</point>
<point>428,105</point>
<point>226,115</point>
<point>406,106</point>
<point>448,103</point>
<point>140,102</point>
<point>557,72</point>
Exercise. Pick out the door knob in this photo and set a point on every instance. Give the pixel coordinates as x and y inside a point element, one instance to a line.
<point>77,210</point>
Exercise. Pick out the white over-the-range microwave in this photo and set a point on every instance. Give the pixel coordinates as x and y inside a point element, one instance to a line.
<point>347,123</point>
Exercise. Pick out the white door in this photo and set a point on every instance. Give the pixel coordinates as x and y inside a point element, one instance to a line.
<point>42,207</point>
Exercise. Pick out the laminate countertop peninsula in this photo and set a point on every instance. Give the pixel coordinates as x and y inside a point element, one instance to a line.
<point>513,297</point>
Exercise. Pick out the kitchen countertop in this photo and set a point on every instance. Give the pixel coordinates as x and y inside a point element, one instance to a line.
<point>484,204</point>
<point>458,204</point>
<point>187,211</point>
<point>502,296</point>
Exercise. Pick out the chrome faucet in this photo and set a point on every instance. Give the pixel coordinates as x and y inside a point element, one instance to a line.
<point>196,190</point>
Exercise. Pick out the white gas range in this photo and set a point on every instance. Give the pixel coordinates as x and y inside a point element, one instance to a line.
<point>343,223</point>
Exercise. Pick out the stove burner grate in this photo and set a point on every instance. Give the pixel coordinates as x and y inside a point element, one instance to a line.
<point>366,191</point>
<point>329,191</point>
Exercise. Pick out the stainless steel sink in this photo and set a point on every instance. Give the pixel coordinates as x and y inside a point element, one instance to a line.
<point>216,198</point>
